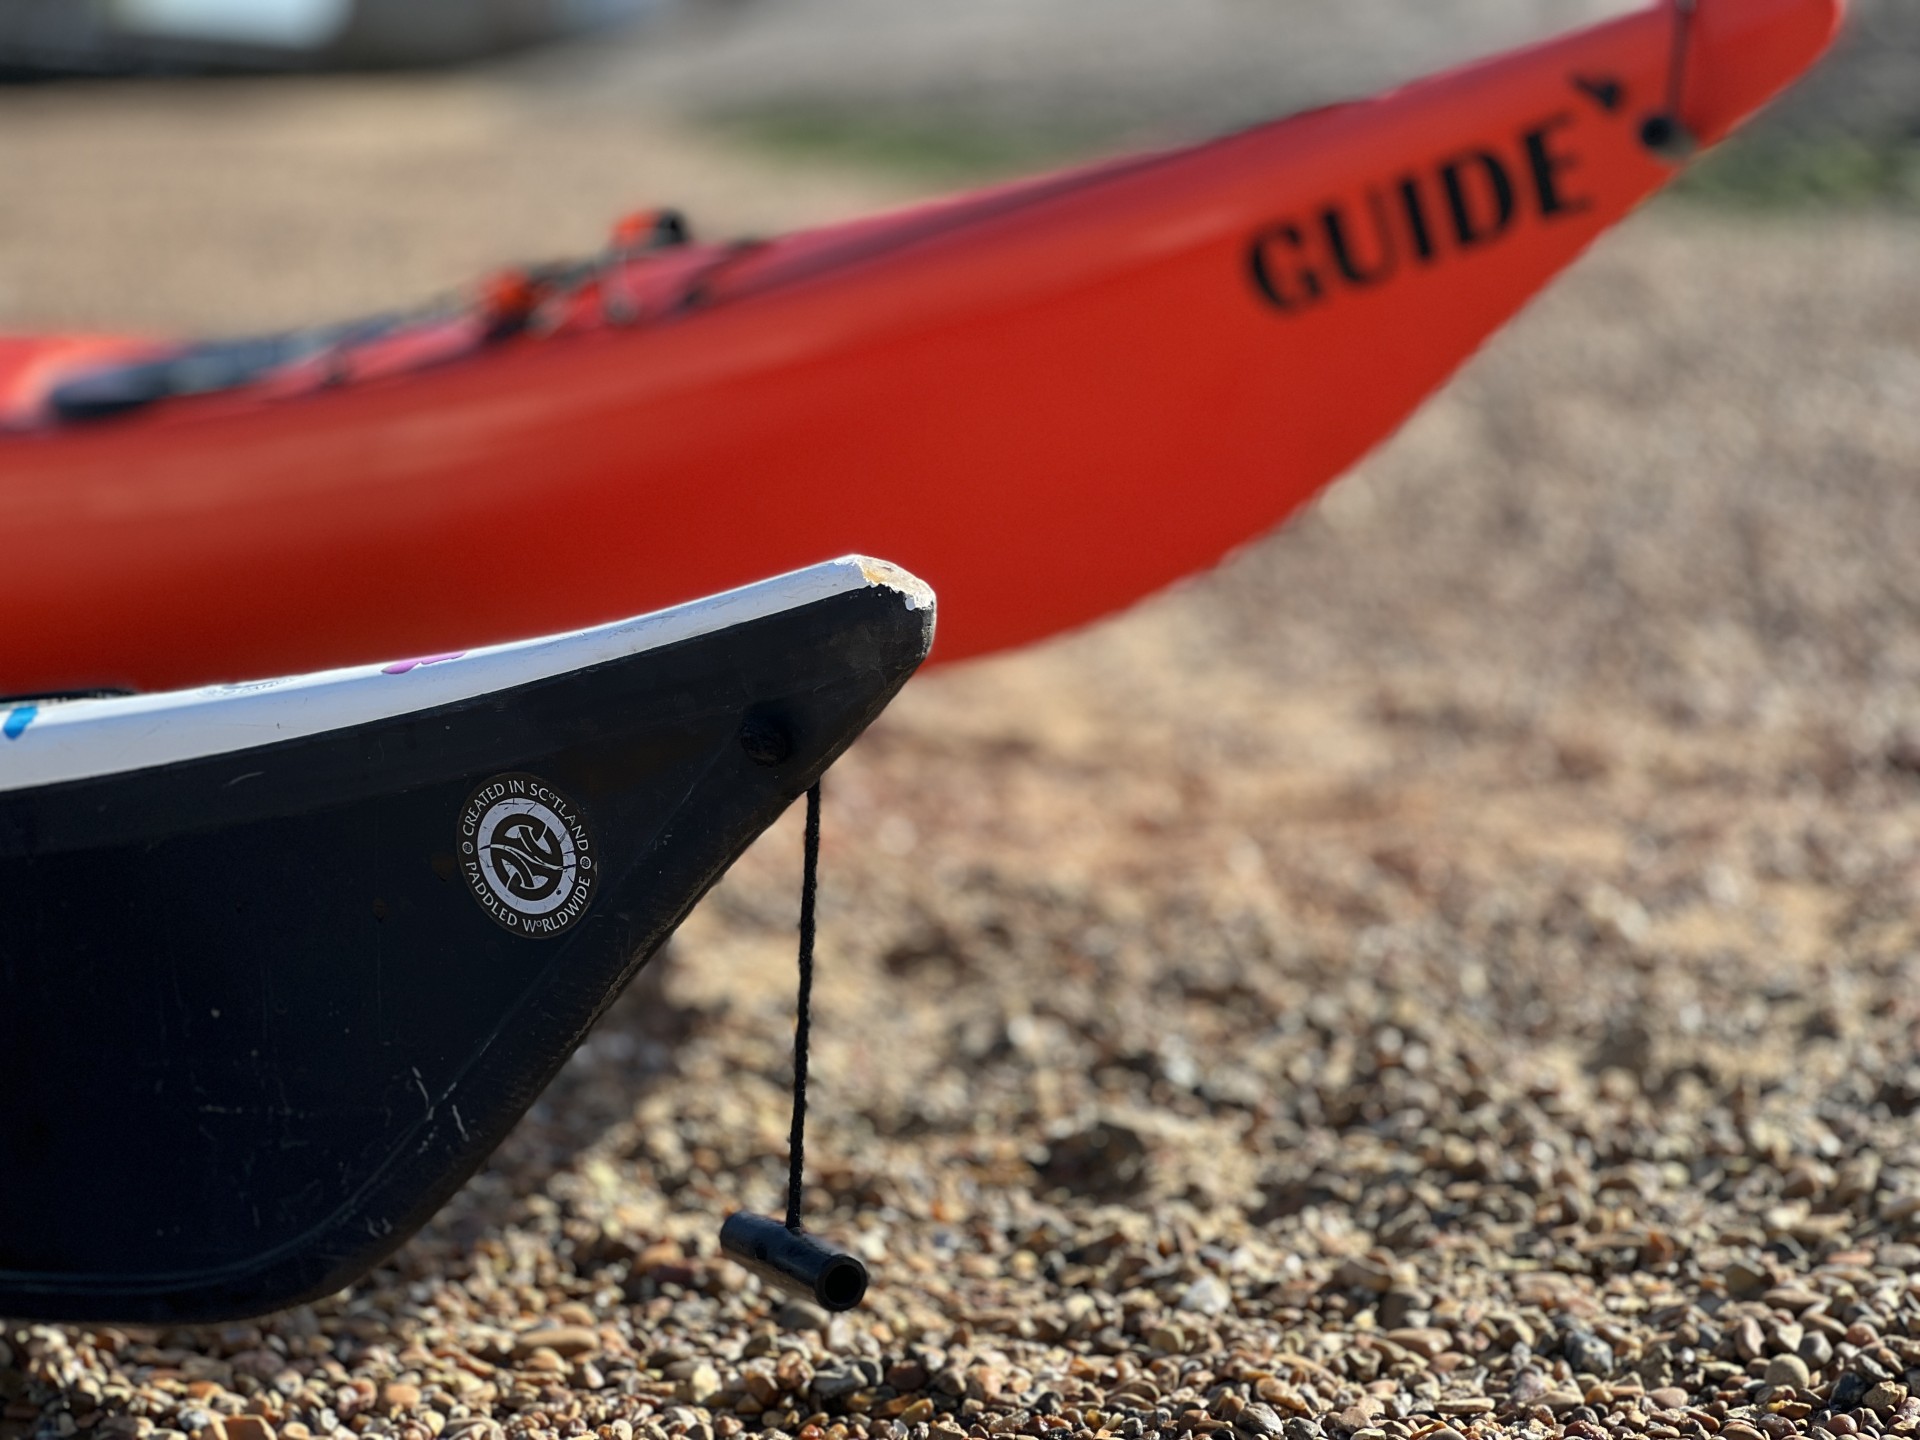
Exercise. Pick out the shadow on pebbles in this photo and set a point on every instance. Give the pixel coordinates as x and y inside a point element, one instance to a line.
<point>1451,972</point>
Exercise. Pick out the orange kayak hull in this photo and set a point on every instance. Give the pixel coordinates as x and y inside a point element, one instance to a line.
<point>1048,400</point>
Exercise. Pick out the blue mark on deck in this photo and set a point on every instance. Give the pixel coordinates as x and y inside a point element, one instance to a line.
<point>17,721</point>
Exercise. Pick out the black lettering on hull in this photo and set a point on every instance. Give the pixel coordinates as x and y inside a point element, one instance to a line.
<point>1269,274</point>
<point>1463,203</point>
<point>1473,223</point>
<point>1385,243</point>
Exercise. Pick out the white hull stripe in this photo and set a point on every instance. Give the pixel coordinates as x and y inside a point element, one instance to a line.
<point>47,744</point>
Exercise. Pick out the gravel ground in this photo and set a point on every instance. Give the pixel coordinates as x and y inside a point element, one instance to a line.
<point>1451,973</point>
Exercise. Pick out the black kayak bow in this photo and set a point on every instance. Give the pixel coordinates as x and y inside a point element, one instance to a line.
<point>296,955</point>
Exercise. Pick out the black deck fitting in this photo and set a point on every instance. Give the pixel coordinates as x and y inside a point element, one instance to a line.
<point>795,1261</point>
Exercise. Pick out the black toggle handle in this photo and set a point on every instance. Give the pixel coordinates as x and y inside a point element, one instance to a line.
<point>794,1261</point>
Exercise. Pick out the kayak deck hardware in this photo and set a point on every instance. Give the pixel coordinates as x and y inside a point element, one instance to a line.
<point>510,302</point>
<point>1667,133</point>
<point>784,1255</point>
<point>641,233</point>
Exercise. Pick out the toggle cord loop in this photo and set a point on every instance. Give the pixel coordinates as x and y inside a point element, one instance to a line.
<point>803,1016</point>
<point>1665,132</point>
<point>785,1256</point>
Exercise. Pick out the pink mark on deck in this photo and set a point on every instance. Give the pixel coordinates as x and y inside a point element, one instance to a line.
<point>401,667</point>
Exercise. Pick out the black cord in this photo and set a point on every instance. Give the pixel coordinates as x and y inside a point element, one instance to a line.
<point>803,1019</point>
<point>1683,12</point>
<point>785,1256</point>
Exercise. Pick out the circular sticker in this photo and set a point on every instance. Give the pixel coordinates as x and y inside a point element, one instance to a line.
<point>526,854</point>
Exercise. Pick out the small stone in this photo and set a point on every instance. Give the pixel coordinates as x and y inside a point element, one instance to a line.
<point>1466,1405</point>
<point>1869,1368</point>
<point>1587,1353</point>
<point>837,1382</point>
<point>1166,1340</point>
<point>1208,1295</point>
<point>565,1341</point>
<point>918,1412</point>
<point>1789,1370</point>
<point>1401,1307</point>
<point>398,1395</point>
<point>1815,1349</point>
<point>1746,1281</point>
<point>1749,1341</point>
<point>907,1375</point>
<point>793,1372</point>
<point>1527,1387</point>
<point>801,1315</point>
<point>1740,1430</point>
<point>252,1427</point>
<point>1848,1391</point>
<point>1298,1428</point>
<point>701,1385</point>
<point>1515,1331</point>
<point>951,1381</point>
<point>1357,1272</point>
<point>1790,1298</point>
<point>1259,1421</point>
<point>1424,1342</point>
<point>761,1386</point>
<point>1105,1161</point>
<point>1668,1397</point>
<point>1883,1398</point>
<point>947,1430</point>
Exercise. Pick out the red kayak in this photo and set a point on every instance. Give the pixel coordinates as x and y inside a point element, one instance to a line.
<point>1048,399</point>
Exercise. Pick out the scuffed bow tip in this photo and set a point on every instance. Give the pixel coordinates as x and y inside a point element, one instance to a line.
<point>910,587</point>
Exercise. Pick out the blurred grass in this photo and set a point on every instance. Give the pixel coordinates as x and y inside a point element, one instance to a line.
<point>1764,171</point>
<point>1783,172</point>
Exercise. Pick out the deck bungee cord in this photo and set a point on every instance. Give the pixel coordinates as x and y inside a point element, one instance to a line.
<point>506,305</point>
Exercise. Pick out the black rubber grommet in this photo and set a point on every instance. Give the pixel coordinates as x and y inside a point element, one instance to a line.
<point>765,740</point>
<point>1667,137</point>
